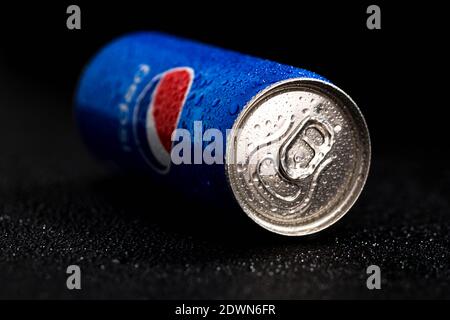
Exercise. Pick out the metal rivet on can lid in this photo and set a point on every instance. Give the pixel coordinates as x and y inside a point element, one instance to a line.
<point>298,156</point>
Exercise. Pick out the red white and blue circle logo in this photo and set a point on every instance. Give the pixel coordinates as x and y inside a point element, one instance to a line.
<point>157,113</point>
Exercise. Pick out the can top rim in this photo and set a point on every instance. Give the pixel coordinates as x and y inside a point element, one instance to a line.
<point>309,225</point>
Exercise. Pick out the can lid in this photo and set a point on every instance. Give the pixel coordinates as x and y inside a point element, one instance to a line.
<point>298,156</point>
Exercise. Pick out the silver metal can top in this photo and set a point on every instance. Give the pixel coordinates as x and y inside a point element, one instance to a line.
<point>298,156</point>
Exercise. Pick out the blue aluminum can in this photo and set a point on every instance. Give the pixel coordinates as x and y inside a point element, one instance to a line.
<point>290,147</point>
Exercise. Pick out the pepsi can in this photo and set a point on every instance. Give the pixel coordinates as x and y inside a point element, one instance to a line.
<point>287,145</point>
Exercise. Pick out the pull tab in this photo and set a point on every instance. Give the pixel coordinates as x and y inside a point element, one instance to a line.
<point>305,148</point>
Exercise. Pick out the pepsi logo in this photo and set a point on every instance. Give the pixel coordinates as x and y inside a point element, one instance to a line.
<point>157,113</point>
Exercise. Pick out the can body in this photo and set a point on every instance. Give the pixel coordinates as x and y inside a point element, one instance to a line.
<point>222,84</point>
<point>142,87</point>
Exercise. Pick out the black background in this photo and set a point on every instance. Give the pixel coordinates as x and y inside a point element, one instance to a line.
<point>132,240</point>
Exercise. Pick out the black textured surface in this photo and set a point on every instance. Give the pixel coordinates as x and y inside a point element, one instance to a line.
<point>133,240</point>
<point>58,207</point>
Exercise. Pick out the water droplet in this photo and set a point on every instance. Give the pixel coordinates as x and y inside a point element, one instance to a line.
<point>234,108</point>
<point>241,167</point>
<point>199,100</point>
<point>337,128</point>
<point>215,103</point>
